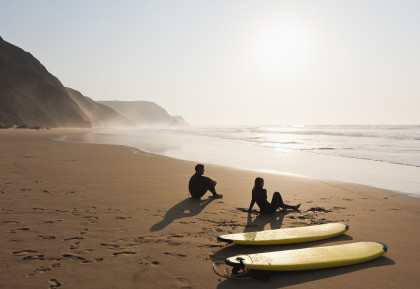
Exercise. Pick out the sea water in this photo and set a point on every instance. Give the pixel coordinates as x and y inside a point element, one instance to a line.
<point>386,157</point>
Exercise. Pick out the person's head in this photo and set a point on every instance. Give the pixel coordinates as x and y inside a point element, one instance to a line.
<point>259,183</point>
<point>199,169</point>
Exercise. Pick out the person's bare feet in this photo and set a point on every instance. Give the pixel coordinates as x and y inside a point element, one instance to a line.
<point>217,196</point>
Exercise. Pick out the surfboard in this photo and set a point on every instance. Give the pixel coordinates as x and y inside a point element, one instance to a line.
<point>309,258</point>
<point>286,236</point>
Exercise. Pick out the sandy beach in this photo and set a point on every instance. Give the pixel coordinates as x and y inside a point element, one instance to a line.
<point>76,215</point>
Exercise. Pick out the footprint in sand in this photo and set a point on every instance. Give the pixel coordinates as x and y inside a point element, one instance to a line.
<point>91,219</point>
<point>113,210</point>
<point>54,284</point>
<point>52,222</point>
<point>75,244</point>
<point>19,230</point>
<point>174,255</point>
<point>62,211</point>
<point>24,252</point>
<point>110,246</point>
<point>124,253</point>
<point>122,218</point>
<point>74,238</point>
<point>56,265</point>
<point>34,257</point>
<point>15,240</point>
<point>76,258</point>
<point>10,222</point>
<point>46,237</point>
<point>87,250</point>
<point>150,261</point>
<point>41,269</point>
<point>319,209</point>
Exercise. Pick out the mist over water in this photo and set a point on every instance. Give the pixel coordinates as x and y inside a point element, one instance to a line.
<point>386,157</point>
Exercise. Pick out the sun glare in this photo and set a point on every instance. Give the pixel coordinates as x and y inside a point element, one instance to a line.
<point>282,49</point>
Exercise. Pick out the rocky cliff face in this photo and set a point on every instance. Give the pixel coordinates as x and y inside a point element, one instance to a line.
<point>99,115</point>
<point>31,96</point>
<point>144,113</point>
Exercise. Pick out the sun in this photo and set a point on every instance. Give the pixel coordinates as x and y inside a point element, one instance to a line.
<point>282,49</point>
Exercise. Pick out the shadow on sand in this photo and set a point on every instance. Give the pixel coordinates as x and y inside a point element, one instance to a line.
<point>186,208</point>
<point>260,221</point>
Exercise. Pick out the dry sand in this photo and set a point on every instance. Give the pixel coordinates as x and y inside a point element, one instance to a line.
<point>98,216</point>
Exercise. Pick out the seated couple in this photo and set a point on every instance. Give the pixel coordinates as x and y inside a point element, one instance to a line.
<point>200,184</point>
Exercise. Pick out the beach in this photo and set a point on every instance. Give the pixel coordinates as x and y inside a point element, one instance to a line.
<point>79,215</point>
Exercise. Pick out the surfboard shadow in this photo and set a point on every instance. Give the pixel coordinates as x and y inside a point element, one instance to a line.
<point>186,208</point>
<point>285,279</point>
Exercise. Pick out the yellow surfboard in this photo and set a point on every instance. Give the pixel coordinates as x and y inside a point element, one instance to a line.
<point>286,236</point>
<point>309,258</point>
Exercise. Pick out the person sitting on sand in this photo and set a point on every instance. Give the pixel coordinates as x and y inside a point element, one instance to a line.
<point>200,184</point>
<point>259,196</point>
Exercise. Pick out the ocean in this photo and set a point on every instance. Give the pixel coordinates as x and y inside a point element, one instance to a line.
<point>386,157</point>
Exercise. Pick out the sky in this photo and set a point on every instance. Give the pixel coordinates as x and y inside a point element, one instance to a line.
<point>233,62</point>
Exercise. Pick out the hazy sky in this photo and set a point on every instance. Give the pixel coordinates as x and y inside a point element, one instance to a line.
<point>233,62</point>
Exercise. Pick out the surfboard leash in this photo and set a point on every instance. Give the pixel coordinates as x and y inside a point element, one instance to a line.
<point>226,274</point>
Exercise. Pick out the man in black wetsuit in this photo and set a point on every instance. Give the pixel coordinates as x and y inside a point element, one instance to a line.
<point>200,184</point>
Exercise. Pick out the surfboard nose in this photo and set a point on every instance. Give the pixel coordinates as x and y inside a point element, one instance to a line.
<point>385,246</point>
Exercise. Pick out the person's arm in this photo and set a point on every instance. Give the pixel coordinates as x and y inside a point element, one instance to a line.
<point>252,203</point>
<point>213,182</point>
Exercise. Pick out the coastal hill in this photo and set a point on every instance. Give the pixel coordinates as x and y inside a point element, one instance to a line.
<point>145,113</point>
<point>99,115</point>
<point>30,96</point>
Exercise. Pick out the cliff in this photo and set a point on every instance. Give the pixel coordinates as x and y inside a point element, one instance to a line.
<point>31,96</point>
<point>99,115</point>
<point>144,113</point>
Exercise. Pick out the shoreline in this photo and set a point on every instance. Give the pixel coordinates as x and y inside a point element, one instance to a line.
<point>102,216</point>
<point>377,174</point>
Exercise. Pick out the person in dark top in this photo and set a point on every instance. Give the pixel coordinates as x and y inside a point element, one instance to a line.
<point>259,196</point>
<point>200,184</point>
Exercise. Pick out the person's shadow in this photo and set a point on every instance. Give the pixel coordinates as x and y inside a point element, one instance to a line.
<point>186,208</point>
<point>260,221</point>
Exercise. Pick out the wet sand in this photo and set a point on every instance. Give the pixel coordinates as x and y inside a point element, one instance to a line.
<point>78,215</point>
